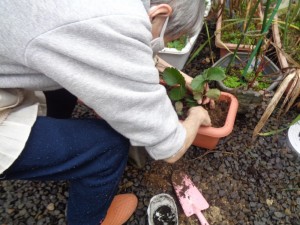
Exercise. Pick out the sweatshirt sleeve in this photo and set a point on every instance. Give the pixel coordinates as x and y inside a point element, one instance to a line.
<point>107,63</point>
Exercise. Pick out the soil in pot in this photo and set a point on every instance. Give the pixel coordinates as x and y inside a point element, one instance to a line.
<point>164,215</point>
<point>218,114</point>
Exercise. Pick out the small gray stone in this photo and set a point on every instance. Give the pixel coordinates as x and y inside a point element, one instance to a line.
<point>23,212</point>
<point>279,214</point>
<point>259,223</point>
<point>222,193</point>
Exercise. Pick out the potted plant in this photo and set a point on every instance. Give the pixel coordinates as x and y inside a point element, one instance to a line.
<point>248,88</point>
<point>207,137</point>
<point>238,25</point>
<point>252,74</point>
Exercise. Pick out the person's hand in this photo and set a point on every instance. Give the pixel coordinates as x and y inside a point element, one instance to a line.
<point>201,114</point>
<point>205,100</point>
<point>197,116</point>
<point>161,65</point>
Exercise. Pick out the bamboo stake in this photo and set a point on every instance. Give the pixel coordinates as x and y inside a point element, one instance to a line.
<point>247,13</point>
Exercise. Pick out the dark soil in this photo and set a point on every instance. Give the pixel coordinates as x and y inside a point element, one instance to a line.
<point>218,115</point>
<point>164,215</point>
<point>179,184</point>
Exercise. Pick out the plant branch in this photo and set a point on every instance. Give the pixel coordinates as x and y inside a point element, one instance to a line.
<point>211,151</point>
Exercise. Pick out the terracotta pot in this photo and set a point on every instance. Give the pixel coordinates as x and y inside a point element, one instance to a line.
<point>208,137</point>
<point>224,46</point>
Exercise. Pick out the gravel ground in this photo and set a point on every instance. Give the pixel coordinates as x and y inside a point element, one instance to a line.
<point>244,183</point>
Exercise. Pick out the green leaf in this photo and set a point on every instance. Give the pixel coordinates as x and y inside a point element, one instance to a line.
<point>215,74</point>
<point>179,43</point>
<point>204,75</point>
<point>272,132</point>
<point>295,120</point>
<point>213,94</point>
<point>232,82</point>
<point>282,129</point>
<point>190,100</point>
<point>177,93</point>
<point>172,77</point>
<point>198,83</point>
<point>192,104</point>
<point>198,95</point>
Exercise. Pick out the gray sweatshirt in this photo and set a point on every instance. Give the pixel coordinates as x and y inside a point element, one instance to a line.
<point>99,50</point>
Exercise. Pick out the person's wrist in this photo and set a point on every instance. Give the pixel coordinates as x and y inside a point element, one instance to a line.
<point>198,110</point>
<point>198,116</point>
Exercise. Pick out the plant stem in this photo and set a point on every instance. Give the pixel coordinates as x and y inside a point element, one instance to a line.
<point>247,13</point>
<point>249,20</point>
<point>209,42</point>
<point>265,29</point>
<point>287,22</point>
<point>195,54</point>
<point>257,72</point>
<point>267,7</point>
<point>209,152</point>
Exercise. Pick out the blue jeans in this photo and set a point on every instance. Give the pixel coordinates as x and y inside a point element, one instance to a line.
<point>87,153</point>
